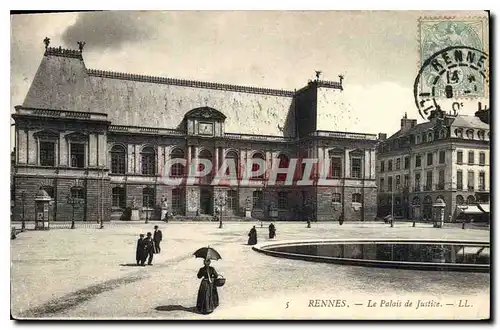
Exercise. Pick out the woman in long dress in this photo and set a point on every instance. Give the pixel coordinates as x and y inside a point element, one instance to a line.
<point>252,236</point>
<point>208,298</point>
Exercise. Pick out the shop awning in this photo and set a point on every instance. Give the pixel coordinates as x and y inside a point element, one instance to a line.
<point>484,207</point>
<point>471,209</point>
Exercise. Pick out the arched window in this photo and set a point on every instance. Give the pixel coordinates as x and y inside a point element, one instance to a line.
<point>471,200</point>
<point>460,200</point>
<point>255,166</point>
<point>232,158</point>
<point>232,200</point>
<point>415,200</point>
<point>118,159</point>
<point>356,198</point>
<point>177,169</point>
<point>78,192</point>
<point>148,197</point>
<point>427,200</point>
<point>148,161</point>
<point>429,137</point>
<point>480,134</point>
<point>284,162</point>
<point>257,199</point>
<point>440,197</point>
<point>397,200</point>
<point>470,134</point>
<point>118,197</point>
<point>49,190</point>
<point>459,132</point>
<point>204,154</point>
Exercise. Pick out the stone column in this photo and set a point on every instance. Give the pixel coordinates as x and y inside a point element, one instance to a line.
<point>93,149</point>
<point>130,158</point>
<point>63,150</point>
<point>216,161</point>
<point>347,164</point>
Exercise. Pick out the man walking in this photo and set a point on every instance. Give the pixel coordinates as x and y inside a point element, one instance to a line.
<point>149,246</point>
<point>139,252</point>
<point>157,237</point>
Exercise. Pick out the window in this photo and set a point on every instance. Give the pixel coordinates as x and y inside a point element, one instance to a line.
<point>77,155</point>
<point>441,156</point>
<point>336,198</point>
<point>382,166</point>
<point>441,180</point>
<point>428,184</point>
<point>398,182</point>
<point>47,153</point>
<point>177,199</point>
<point>206,155</point>
<point>470,180</point>
<point>284,162</point>
<point>481,181</point>
<point>460,157</point>
<point>389,165</point>
<point>232,200</point>
<point>482,158</point>
<point>418,161</point>
<point>470,134</point>
<point>232,158</point>
<point>398,163</point>
<point>177,169</point>
<point>356,198</point>
<point>257,198</point>
<point>429,159</point>
<point>389,183</point>
<point>407,181</point>
<point>480,135</point>
<point>407,162</point>
<point>381,188</point>
<point>356,167</point>
<point>459,199</point>
<point>148,164</point>
<point>78,192</point>
<point>118,159</point>
<point>336,166</point>
<point>417,181</point>
<point>148,197</point>
<point>418,139</point>
<point>459,132</point>
<point>471,200</point>
<point>471,157</point>
<point>282,200</point>
<point>460,180</point>
<point>429,137</point>
<point>256,166</point>
<point>118,197</point>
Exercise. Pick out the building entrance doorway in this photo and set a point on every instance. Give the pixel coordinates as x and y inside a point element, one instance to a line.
<point>206,201</point>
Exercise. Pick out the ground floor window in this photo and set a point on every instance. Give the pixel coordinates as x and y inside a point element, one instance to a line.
<point>78,192</point>
<point>336,198</point>
<point>283,200</point>
<point>49,190</point>
<point>177,201</point>
<point>232,200</point>
<point>118,197</point>
<point>257,197</point>
<point>356,198</point>
<point>148,197</point>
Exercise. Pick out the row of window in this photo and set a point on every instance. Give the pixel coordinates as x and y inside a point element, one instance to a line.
<point>428,200</point>
<point>429,181</point>
<point>430,160</point>
<point>469,133</point>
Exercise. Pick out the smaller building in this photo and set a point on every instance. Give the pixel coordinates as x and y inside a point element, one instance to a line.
<point>447,157</point>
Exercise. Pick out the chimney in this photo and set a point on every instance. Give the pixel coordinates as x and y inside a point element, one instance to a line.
<point>407,124</point>
<point>483,113</point>
<point>382,136</point>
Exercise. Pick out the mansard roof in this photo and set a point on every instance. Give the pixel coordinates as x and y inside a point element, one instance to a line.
<point>62,82</point>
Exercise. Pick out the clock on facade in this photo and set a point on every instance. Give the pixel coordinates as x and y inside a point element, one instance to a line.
<point>206,129</point>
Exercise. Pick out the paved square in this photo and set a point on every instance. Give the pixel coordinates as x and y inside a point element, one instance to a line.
<point>83,273</point>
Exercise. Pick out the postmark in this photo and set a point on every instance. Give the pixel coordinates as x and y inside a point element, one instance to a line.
<point>439,33</point>
<point>450,74</point>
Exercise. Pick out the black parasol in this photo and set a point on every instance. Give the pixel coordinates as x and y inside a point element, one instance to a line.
<point>207,253</point>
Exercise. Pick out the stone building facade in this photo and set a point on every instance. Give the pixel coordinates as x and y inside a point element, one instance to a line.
<point>104,138</point>
<point>446,157</point>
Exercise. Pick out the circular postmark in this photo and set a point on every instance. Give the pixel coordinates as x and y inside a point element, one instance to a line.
<point>452,73</point>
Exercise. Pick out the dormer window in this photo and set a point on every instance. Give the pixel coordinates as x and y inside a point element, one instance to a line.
<point>470,134</point>
<point>459,132</point>
<point>480,135</point>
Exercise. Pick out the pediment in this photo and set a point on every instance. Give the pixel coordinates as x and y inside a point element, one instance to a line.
<point>77,136</point>
<point>46,134</point>
<point>357,152</point>
<point>205,113</point>
<point>335,151</point>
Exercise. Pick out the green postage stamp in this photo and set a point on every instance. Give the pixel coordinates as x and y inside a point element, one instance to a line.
<point>453,47</point>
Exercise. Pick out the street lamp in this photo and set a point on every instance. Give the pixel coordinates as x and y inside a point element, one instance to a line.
<point>220,202</point>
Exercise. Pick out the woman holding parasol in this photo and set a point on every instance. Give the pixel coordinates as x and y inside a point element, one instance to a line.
<point>208,298</point>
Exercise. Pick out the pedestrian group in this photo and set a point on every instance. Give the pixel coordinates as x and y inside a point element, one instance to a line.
<point>148,246</point>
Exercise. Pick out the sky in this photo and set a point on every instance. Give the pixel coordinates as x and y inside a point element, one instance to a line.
<point>376,52</point>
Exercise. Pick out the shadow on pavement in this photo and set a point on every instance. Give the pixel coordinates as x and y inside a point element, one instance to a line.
<point>170,308</point>
<point>131,265</point>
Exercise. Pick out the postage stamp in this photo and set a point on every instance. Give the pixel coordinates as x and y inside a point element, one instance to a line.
<point>436,34</point>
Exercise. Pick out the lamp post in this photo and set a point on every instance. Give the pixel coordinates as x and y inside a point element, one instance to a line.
<point>220,202</point>
<point>23,200</point>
